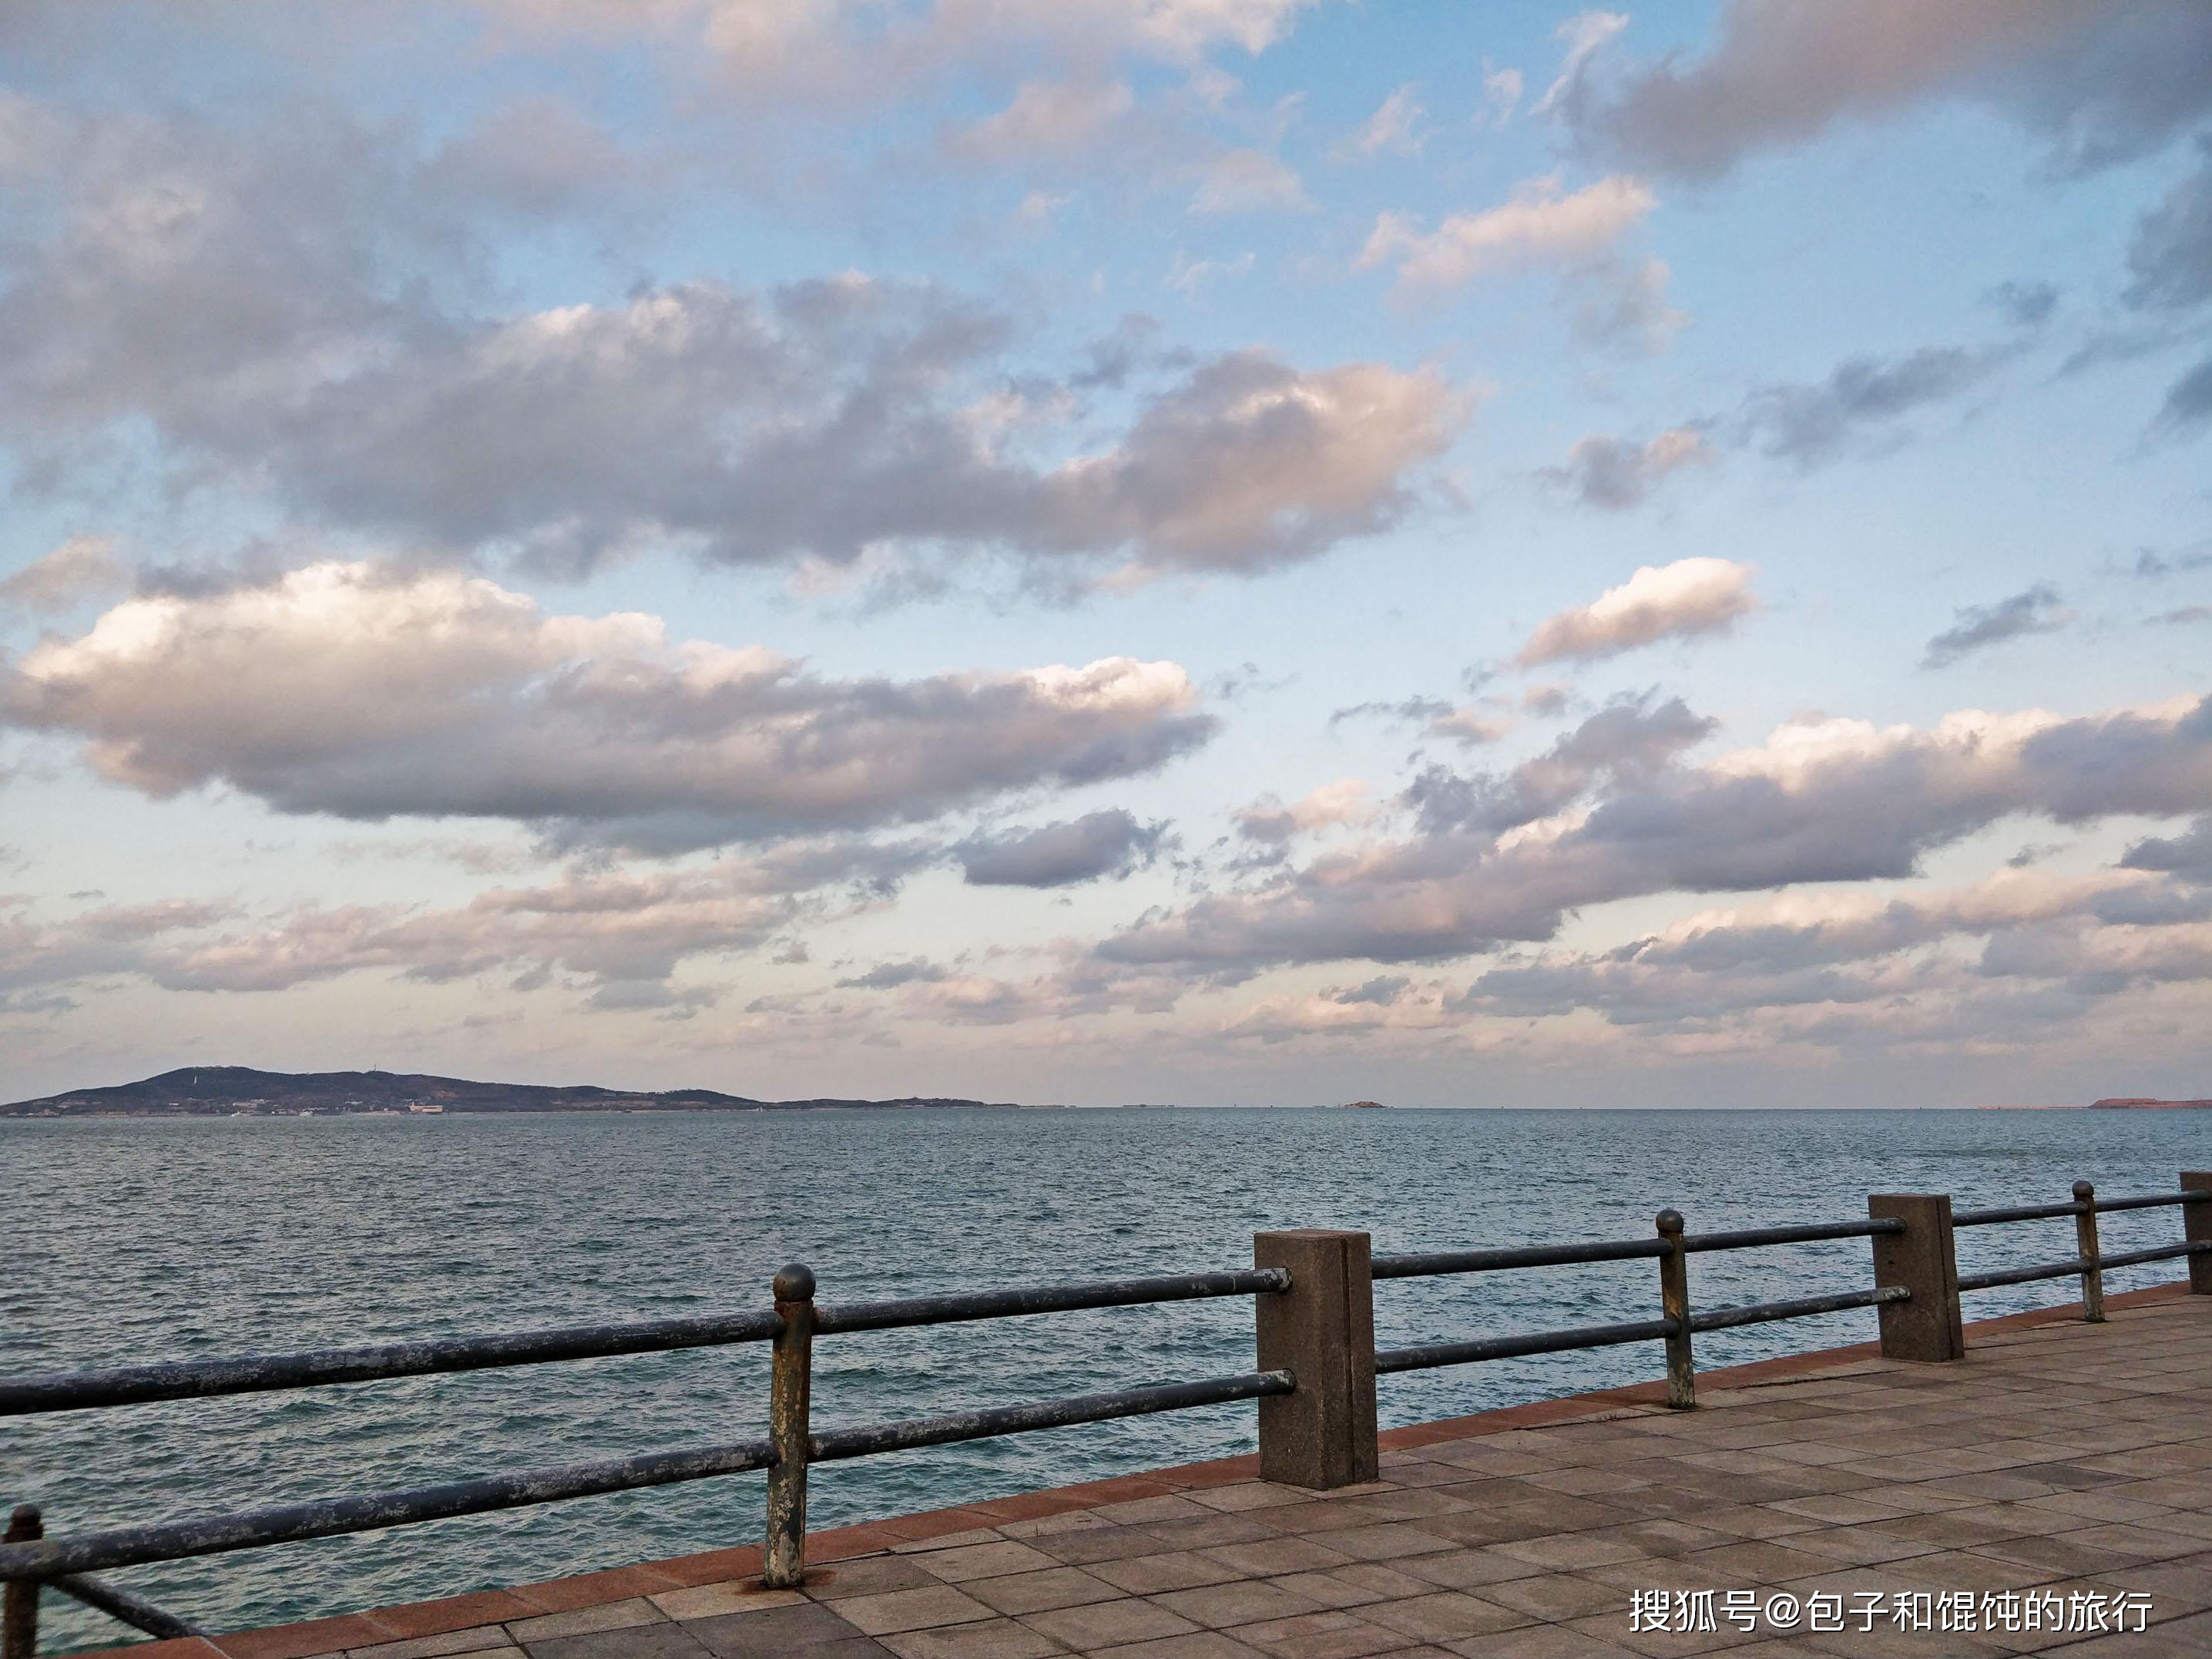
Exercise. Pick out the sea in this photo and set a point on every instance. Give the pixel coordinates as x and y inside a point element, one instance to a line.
<point>137,1240</point>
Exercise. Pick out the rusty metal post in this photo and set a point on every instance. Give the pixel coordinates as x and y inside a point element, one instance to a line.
<point>2085,1236</point>
<point>19,1604</point>
<point>1924,1259</point>
<point>1674,1303</point>
<point>1321,1330</point>
<point>2196,1228</point>
<point>790,1383</point>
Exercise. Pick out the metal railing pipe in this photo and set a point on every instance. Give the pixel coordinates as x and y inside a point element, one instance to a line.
<point>1433,1356</point>
<point>1989,1281</point>
<point>326,1517</point>
<point>836,1444</point>
<point>1428,1263</point>
<point>2202,1248</point>
<point>2012,1212</point>
<point>1748,1238</point>
<point>120,1604</point>
<point>1802,1307</point>
<point>2147,1201</point>
<point>838,1318</point>
<point>188,1379</point>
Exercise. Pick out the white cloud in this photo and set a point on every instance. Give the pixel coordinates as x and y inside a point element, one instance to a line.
<point>1541,225</point>
<point>833,47</point>
<point>1688,597</point>
<point>1501,96</point>
<point>1249,181</point>
<point>1344,801</point>
<point>340,690</point>
<point>1583,34</point>
<point>1394,129</point>
<point>1046,117</point>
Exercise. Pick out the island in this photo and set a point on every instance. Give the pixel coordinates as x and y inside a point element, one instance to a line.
<point>1361,1106</point>
<point>2143,1103</point>
<point>244,1091</point>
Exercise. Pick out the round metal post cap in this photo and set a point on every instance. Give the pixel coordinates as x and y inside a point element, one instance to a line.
<point>1669,1221</point>
<point>795,1282</point>
<point>2084,1191</point>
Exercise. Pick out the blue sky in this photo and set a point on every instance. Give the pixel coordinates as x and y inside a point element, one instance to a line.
<point>1203,550</point>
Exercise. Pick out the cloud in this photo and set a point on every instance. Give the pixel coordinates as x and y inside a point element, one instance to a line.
<point>2102,81</point>
<point>1106,843</point>
<point>294,321</point>
<point>889,976</point>
<point>1540,226</point>
<point>1186,276</point>
<point>2188,402</point>
<point>832,49</point>
<point>1501,96</point>
<point>1268,820</point>
<point>1249,181</point>
<point>343,690</point>
<point>1046,117</point>
<point>1462,724</point>
<point>2024,305</point>
<point>622,935</point>
<point>2188,855</point>
<point>2034,610</point>
<point>1623,302</point>
<point>2171,257</point>
<point>82,567</point>
<point>1828,800</point>
<point>1630,739</point>
<point>1808,424</point>
<point>1679,600</point>
<point>1617,473</point>
<point>1863,952</point>
<point>1583,34</point>
<point>1394,129</point>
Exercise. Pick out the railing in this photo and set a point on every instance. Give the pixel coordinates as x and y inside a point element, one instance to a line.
<point>1314,1378</point>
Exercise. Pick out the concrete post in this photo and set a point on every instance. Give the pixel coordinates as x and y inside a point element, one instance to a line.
<point>1321,1330</point>
<point>1923,1260</point>
<point>2196,1228</point>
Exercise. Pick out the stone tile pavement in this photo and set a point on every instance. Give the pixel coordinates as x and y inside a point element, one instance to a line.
<point>2061,1474</point>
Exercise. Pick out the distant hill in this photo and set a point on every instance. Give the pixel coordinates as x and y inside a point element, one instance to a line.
<point>229,1090</point>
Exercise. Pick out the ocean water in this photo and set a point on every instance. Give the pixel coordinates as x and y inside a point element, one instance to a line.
<point>134,1240</point>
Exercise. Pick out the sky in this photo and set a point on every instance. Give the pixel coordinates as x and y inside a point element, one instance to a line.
<point>1215,551</point>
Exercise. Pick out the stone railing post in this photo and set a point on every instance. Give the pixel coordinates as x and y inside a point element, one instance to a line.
<point>1321,1330</point>
<point>2196,1228</point>
<point>2092,1254</point>
<point>790,1406</point>
<point>1924,1260</point>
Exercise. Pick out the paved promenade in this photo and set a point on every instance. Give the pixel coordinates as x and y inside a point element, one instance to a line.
<point>2058,1480</point>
